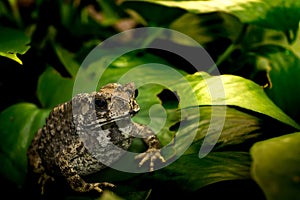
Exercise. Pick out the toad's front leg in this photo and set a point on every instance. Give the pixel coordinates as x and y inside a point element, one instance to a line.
<point>63,161</point>
<point>153,153</point>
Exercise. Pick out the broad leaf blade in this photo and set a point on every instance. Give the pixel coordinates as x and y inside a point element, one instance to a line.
<point>278,14</point>
<point>276,166</point>
<point>236,91</point>
<point>18,125</point>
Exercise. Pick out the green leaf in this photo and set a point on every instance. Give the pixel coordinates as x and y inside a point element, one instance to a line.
<point>196,173</point>
<point>53,89</point>
<point>281,15</point>
<point>284,75</point>
<point>152,13</point>
<point>18,124</point>
<point>67,59</point>
<point>276,168</point>
<point>296,46</point>
<point>236,91</point>
<point>208,27</point>
<point>252,127</point>
<point>189,169</point>
<point>13,42</point>
<point>109,196</point>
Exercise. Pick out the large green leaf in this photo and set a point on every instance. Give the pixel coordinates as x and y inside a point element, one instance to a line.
<point>236,91</point>
<point>13,42</point>
<point>225,90</point>
<point>54,89</point>
<point>18,124</point>
<point>281,15</point>
<point>276,166</point>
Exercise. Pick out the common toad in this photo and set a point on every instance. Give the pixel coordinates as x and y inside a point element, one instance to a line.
<point>79,136</point>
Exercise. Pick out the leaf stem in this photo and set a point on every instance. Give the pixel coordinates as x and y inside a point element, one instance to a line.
<point>230,49</point>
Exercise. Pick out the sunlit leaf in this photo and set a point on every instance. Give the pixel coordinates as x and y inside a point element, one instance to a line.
<point>236,91</point>
<point>18,124</point>
<point>109,196</point>
<point>278,14</point>
<point>13,42</point>
<point>276,166</point>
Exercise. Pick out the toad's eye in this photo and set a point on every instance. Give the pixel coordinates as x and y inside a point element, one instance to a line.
<point>101,103</point>
<point>136,93</point>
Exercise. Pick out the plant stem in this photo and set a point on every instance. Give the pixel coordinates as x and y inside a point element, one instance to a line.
<point>230,49</point>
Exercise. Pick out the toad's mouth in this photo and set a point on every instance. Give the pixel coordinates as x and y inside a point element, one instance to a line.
<point>119,121</point>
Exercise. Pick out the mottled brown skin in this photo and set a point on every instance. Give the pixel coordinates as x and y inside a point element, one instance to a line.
<point>82,134</point>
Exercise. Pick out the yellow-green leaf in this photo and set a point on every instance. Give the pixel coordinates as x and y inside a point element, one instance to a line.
<point>13,42</point>
<point>276,166</point>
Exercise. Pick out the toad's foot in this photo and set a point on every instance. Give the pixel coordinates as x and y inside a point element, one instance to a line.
<point>42,181</point>
<point>79,185</point>
<point>152,155</point>
<point>98,186</point>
